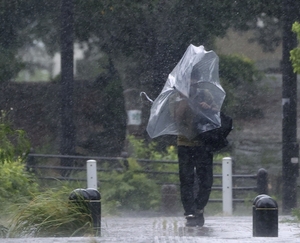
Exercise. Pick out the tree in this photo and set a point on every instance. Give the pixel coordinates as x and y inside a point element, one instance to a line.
<point>145,39</point>
<point>10,17</point>
<point>22,22</point>
<point>290,147</point>
<point>68,132</point>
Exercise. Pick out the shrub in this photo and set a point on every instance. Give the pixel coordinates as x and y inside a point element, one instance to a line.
<point>15,182</point>
<point>152,151</point>
<point>14,143</point>
<point>295,53</point>
<point>128,190</point>
<point>239,78</point>
<point>50,213</point>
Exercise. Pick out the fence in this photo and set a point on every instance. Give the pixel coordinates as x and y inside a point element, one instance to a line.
<point>229,186</point>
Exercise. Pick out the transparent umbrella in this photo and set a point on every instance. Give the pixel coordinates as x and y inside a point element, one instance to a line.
<point>191,99</point>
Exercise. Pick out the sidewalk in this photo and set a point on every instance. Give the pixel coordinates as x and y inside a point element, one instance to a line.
<point>172,229</point>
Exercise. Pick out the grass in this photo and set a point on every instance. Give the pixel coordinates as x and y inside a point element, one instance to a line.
<point>50,214</point>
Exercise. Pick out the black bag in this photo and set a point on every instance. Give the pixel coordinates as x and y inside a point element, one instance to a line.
<point>215,139</point>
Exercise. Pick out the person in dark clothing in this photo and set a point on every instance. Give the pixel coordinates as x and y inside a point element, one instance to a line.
<point>195,162</point>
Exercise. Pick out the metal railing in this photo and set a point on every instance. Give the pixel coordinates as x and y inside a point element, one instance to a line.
<point>228,187</point>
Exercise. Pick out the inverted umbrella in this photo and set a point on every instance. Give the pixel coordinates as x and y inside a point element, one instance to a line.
<point>190,101</point>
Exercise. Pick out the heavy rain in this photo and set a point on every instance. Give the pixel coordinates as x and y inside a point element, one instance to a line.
<point>149,121</point>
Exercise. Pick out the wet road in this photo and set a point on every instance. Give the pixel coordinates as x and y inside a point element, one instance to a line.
<point>171,230</point>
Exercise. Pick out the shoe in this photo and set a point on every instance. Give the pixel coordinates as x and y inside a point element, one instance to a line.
<point>191,220</point>
<point>199,218</point>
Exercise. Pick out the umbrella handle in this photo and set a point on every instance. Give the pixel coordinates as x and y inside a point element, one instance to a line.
<point>144,93</point>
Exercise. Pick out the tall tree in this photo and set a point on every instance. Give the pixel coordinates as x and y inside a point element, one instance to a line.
<point>22,23</point>
<point>68,135</point>
<point>145,39</point>
<point>290,147</point>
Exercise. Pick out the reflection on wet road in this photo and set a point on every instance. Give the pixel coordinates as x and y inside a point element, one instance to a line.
<point>173,230</point>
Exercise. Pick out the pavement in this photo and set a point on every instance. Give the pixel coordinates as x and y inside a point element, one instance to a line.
<point>171,229</point>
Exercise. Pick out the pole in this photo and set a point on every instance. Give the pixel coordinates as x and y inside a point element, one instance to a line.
<point>227,185</point>
<point>91,169</point>
<point>290,149</point>
<point>67,146</point>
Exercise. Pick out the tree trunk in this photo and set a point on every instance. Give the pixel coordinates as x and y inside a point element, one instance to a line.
<point>129,72</point>
<point>67,146</point>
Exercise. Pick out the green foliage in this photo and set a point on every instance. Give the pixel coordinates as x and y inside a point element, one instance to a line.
<point>169,154</point>
<point>239,77</point>
<point>158,30</point>
<point>295,53</point>
<point>50,213</point>
<point>15,17</point>
<point>129,190</point>
<point>15,182</point>
<point>296,29</point>
<point>151,34</point>
<point>14,143</point>
<point>296,213</point>
<point>151,151</point>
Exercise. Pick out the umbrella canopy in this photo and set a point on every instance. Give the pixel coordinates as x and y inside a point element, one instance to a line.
<point>191,99</point>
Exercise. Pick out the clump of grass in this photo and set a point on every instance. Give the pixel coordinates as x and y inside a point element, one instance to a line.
<point>51,214</point>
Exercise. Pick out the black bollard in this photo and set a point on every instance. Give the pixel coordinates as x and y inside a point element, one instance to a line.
<point>262,181</point>
<point>95,209</point>
<point>265,217</point>
<point>254,212</point>
<point>91,200</point>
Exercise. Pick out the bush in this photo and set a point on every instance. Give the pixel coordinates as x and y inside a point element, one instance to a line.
<point>128,190</point>
<point>152,151</point>
<point>15,182</point>
<point>295,53</point>
<point>14,143</point>
<point>239,78</point>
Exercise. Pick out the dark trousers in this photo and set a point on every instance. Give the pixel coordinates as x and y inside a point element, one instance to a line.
<point>195,164</point>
